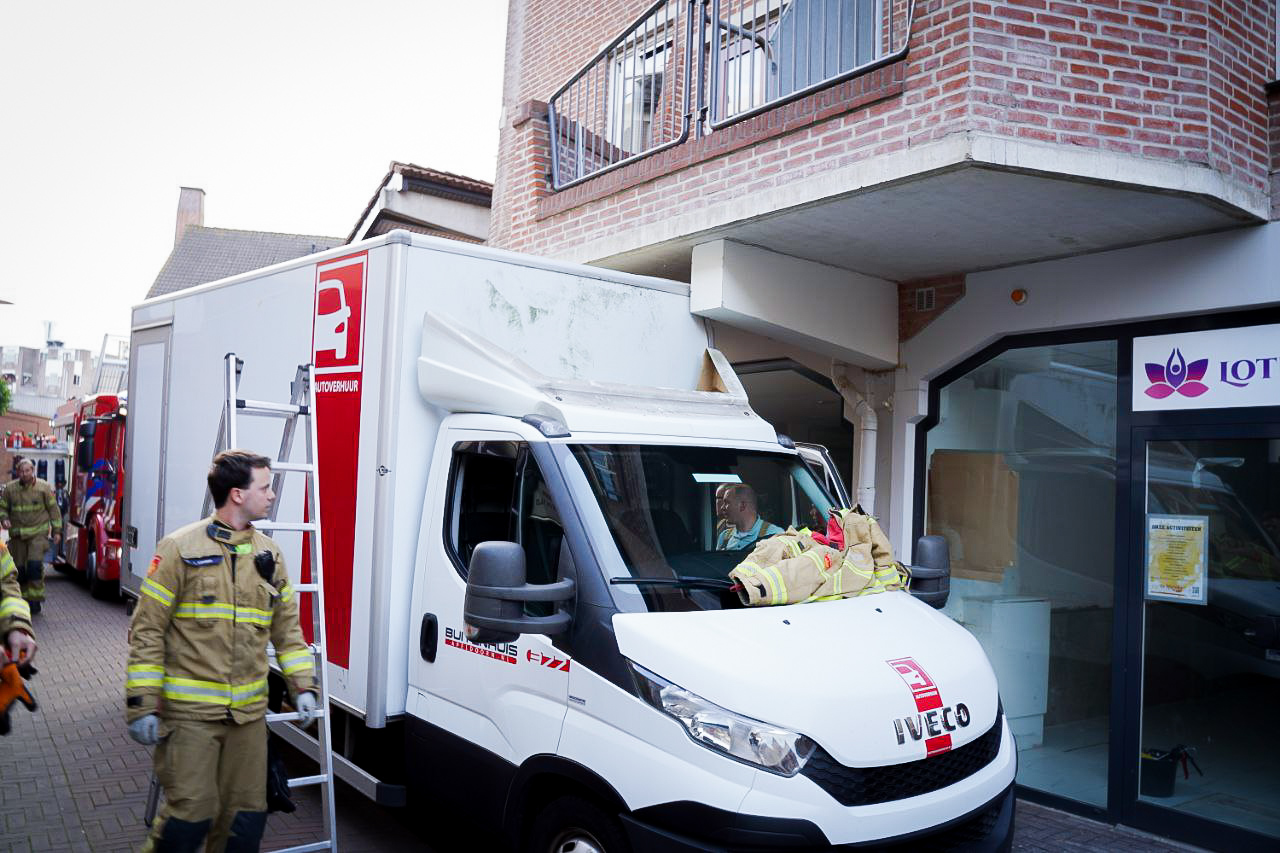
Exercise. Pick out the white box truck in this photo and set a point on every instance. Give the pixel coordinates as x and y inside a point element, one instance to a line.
<point>596,682</point>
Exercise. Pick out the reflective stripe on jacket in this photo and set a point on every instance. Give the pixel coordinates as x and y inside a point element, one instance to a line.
<point>198,639</point>
<point>14,611</point>
<point>30,510</point>
<point>793,567</point>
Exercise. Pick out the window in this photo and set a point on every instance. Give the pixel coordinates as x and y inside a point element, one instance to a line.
<point>636,91</point>
<point>769,50</point>
<point>498,493</point>
<point>1021,472</point>
<point>694,512</point>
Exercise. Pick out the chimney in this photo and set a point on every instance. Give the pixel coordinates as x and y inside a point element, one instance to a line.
<point>190,211</point>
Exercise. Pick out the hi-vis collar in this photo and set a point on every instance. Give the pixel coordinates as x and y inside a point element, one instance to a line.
<point>237,541</point>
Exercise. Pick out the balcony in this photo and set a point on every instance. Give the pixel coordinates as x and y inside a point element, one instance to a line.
<point>907,140</point>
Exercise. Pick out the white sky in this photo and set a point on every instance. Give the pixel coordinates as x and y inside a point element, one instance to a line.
<point>285,113</point>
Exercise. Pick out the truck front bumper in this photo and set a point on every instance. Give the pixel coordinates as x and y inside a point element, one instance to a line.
<point>687,826</point>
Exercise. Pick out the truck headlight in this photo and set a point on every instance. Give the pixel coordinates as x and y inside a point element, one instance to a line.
<point>751,741</point>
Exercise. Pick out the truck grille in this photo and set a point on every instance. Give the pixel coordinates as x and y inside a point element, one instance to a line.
<point>863,786</point>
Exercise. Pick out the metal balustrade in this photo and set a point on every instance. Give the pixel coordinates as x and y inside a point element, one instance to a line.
<point>631,99</point>
<point>637,95</point>
<point>766,52</point>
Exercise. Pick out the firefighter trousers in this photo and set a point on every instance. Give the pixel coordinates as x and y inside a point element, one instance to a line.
<point>214,777</point>
<point>28,556</point>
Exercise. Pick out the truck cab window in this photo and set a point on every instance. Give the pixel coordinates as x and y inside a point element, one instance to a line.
<point>498,493</point>
<point>482,491</point>
<point>688,514</point>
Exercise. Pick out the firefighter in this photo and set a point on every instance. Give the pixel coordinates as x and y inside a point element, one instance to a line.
<point>29,511</point>
<point>215,593</point>
<point>15,613</point>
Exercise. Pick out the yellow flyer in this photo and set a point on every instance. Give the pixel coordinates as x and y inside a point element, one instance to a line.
<point>1177,555</point>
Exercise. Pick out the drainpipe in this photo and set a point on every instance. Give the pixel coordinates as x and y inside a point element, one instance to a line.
<point>859,407</point>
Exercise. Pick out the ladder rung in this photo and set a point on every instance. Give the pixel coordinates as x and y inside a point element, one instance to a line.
<point>306,848</point>
<point>305,467</point>
<point>307,527</point>
<point>306,587</point>
<point>263,407</point>
<point>308,780</point>
<point>292,716</point>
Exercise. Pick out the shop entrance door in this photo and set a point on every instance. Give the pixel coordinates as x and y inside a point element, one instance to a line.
<point>1203,726</point>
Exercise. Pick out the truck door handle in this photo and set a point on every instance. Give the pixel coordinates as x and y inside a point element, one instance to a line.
<point>427,638</point>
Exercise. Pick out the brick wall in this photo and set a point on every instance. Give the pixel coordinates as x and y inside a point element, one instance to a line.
<point>18,422</point>
<point>1177,80</point>
<point>1273,144</point>
<point>922,300</point>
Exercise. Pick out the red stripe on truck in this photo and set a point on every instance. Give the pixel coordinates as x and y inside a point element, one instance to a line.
<point>337,347</point>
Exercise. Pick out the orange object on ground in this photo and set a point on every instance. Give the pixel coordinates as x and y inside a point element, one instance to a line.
<point>13,687</point>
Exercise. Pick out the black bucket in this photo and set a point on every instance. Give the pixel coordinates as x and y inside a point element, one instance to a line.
<point>1158,771</point>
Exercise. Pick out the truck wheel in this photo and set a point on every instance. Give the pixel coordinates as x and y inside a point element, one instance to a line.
<point>574,825</point>
<point>98,587</point>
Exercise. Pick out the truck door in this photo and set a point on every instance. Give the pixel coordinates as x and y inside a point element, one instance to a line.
<point>508,698</point>
<point>145,439</point>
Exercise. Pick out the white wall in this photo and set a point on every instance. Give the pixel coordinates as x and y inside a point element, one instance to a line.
<point>838,313</point>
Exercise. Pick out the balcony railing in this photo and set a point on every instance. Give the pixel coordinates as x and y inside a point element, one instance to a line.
<point>630,100</point>
<point>636,96</point>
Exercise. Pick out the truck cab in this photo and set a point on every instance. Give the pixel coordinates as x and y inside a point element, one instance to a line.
<point>582,654</point>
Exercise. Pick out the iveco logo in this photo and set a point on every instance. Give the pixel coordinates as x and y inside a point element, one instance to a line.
<point>932,723</point>
<point>935,721</point>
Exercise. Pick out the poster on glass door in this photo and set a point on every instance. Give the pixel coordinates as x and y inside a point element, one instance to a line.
<point>1177,558</point>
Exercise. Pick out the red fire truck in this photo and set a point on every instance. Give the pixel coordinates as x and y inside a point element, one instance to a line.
<point>92,532</point>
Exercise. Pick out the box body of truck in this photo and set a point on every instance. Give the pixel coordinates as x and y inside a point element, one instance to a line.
<point>469,397</point>
<point>358,315</point>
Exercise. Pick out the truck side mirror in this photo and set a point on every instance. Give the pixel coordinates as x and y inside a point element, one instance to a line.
<point>931,575</point>
<point>496,592</point>
<point>84,447</point>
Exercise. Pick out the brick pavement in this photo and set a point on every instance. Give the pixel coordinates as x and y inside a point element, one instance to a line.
<point>72,780</point>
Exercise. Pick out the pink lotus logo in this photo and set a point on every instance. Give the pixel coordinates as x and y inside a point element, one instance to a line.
<point>1177,375</point>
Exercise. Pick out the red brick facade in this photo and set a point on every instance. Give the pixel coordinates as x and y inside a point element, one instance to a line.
<point>914,312</point>
<point>1178,80</point>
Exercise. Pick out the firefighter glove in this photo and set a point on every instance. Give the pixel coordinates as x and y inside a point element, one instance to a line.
<point>306,705</point>
<point>145,730</point>
<point>13,687</point>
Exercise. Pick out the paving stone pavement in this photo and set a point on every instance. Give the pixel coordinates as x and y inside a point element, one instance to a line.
<point>72,780</point>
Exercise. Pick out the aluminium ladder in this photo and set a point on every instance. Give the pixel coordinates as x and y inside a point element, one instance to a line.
<point>302,403</point>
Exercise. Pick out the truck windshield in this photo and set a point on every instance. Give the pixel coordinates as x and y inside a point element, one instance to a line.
<point>683,517</point>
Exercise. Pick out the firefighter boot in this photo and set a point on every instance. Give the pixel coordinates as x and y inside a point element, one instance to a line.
<point>33,591</point>
<point>177,836</point>
<point>246,832</point>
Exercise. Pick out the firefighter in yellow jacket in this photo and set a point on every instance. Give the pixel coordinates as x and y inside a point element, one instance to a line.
<point>15,615</point>
<point>29,511</point>
<point>216,592</point>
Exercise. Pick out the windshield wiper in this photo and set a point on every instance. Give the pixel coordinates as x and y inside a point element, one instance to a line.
<point>680,582</point>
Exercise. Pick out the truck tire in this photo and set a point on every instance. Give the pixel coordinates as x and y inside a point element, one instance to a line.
<point>572,824</point>
<point>98,587</point>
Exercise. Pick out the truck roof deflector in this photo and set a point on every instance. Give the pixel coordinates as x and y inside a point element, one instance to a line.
<point>460,371</point>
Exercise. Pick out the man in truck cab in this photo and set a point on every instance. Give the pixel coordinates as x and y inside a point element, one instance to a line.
<point>29,511</point>
<point>741,509</point>
<point>216,592</point>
